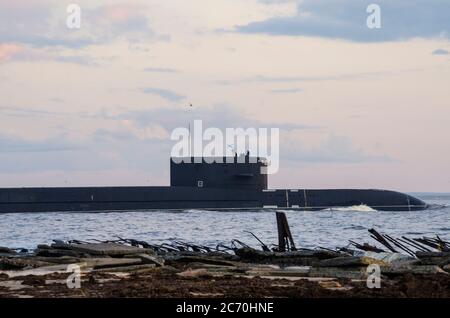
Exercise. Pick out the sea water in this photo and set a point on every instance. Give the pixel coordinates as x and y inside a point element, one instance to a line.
<point>329,228</point>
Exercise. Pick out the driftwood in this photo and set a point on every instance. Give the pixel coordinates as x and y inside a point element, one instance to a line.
<point>416,247</point>
<point>111,249</point>
<point>427,256</point>
<point>54,252</point>
<point>108,262</point>
<point>199,259</point>
<point>131,268</point>
<point>303,257</point>
<point>377,236</point>
<point>366,247</point>
<point>151,259</point>
<point>350,261</point>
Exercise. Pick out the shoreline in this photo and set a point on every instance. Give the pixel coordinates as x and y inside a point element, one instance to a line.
<point>395,268</point>
<point>122,270</point>
<point>165,283</point>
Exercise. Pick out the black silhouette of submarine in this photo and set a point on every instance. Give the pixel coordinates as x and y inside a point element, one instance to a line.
<point>232,183</point>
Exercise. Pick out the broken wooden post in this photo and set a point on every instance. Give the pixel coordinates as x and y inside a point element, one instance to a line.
<point>285,241</point>
<point>377,236</point>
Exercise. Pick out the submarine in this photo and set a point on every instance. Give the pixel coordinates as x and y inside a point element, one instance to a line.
<point>203,183</point>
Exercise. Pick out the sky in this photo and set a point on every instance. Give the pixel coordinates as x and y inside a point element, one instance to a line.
<point>356,107</point>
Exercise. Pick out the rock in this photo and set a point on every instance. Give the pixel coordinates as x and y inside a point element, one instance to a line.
<point>413,269</point>
<point>447,268</point>
<point>127,269</point>
<point>331,285</point>
<point>16,263</point>
<point>58,244</point>
<point>43,247</point>
<point>432,254</point>
<point>108,262</point>
<point>151,259</point>
<point>350,261</point>
<point>339,272</point>
<point>193,273</point>
<point>281,272</point>
<point>392,258</point>
<point>41,271</point>
<point>13,285</point>
<point>58,260</point>
<point>6,250</point>
<point>440,261</point>
<point>53,252</point>
<point>435,260</point>
<point>199,259</point>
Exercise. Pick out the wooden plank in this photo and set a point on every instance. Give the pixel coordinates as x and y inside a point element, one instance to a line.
<point>350,261</point>
<point>107,249</point>
<point>285,241</point>
<point>109,262</point>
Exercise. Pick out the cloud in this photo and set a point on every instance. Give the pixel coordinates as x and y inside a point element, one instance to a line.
<point>126,139</point>
<point>293,79</point>
<point>160,70</point>
<point>328,148</point>
<point>13,144</point>
<point>43,24</point>
<point>26,112</point>
<point>123,20</point>
<point>164,93</point>
<point>9,50</point>
<point>440,52</point>
<point>56,100</point>
<point>286,91</point>
<point>346,19</point>
<point>220,116</point>
<point>33,23</point>
<point>73,59</point>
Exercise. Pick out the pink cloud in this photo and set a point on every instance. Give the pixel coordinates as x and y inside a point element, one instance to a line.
<point>122,12</point>
<point>8,50</point>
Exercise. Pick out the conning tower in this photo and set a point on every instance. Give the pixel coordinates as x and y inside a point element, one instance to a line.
<point>243,172</point>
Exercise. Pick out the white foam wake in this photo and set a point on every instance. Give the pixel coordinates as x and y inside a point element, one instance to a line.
<point>355,208</point>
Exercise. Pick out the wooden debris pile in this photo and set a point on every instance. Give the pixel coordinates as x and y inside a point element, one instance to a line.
<point>426,255</point>
<point>89,256</point>
<point>396,257</point>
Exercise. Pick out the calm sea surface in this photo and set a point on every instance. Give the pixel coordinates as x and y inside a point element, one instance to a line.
<point>310,229</point>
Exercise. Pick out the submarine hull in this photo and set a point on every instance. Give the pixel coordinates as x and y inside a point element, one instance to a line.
<point>89,199</point>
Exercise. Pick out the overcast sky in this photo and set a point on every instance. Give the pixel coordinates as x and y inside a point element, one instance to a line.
<point>357,107</point>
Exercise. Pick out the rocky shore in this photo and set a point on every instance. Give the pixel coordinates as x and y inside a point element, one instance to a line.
<point>130,268</point>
